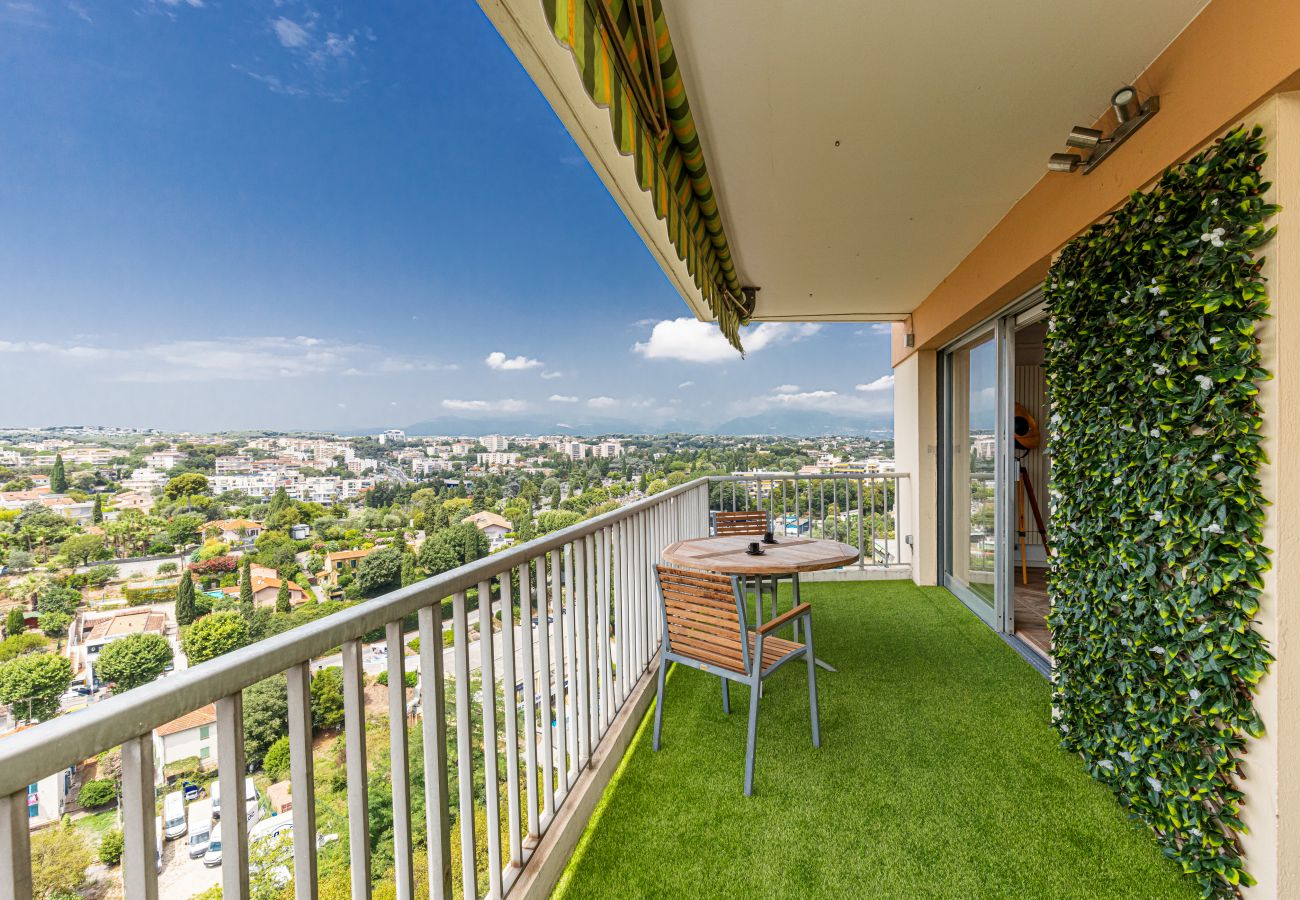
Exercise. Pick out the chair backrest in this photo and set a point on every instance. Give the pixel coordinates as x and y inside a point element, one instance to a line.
<point>702,618</point>
<point>742,522</point>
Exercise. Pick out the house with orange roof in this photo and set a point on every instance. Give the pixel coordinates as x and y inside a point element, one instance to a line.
<point>266,588</point>
<point>192,735</point>
<point>344,562</point>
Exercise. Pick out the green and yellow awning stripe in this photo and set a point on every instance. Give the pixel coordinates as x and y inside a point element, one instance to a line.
<point>667,154</point>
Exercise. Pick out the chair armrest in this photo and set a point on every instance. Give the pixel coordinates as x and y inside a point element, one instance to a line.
<point>772,624</point>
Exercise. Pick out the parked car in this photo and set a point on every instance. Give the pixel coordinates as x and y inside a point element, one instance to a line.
<point>192,791</point>
<point>200,832</point>
<point>252,808</point>
<point>212,856</point>
<point>174,824</point>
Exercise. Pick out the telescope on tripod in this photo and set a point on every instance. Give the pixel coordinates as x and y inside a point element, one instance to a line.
<point>1027,437</point>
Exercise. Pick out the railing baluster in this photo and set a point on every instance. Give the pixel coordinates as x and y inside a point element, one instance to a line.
<point>526,638</point>
<point>302,782</point>
<point>619,625</point>
<point>861,546</point>
<point>15,846</point>
<point>581,568</point>
<point>433,706</point>
<point>464,746</point>
<point>511,706</point>
<point>139,859</point>
<point>594,686</point>
<point>491,787</point>
<point>230,775</point>
<point>562,673</point>
<point>604,539</point>
<point>546,688</point>
<point>574,706</point>
<point>399,762</point>
<point>354,730</point>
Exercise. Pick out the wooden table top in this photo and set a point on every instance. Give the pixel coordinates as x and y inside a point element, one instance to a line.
<point>728,554</point>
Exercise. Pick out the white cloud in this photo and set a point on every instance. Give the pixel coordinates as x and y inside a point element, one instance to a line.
<point>875,328</point>
<point>686,384</point>
<point>290,33</point>
<point>690,340</point>
<point>485,405</point>
<point>827,401</point>
<point>502,363</point>
<point>602,403</point>
<point>549,375</point>
<point>786,389</point>
<point>883,383</point>
<point>562,398</point>
<point>231,359</point>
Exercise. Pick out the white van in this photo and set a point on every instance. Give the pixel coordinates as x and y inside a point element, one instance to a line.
<point>158,840</point>
<point>212,856</point>
<point>252,809</point>
<point>174,815</point>
<point>200,832</point>
<point>268,832</point>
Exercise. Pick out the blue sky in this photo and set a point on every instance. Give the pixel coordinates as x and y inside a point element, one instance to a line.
<point>290,215</point>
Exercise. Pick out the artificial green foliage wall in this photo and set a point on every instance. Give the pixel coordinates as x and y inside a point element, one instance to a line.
<point>1156,526</point>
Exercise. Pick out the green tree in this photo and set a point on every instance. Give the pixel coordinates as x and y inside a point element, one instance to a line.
<point>189,484</point>
<point>214,635</point>
<point>276,762</point>
<point>20,559</point>
<point>55,624</point>
<point>60,857</point>
<point>380,571</point>
<point>56,598</point>
<point>452,547</point>
<point>266,716</point>
<point>82,548</point>
<point>16,645</point>
<point>97,514</point>
<point>555,519</point>
<point>133,660</point>
<point>58,477</point>
<point>279,502</point>
<point>282,604</point>
<point>185,604</point>
<point>327,698</point>
<point>246,588</point>
<point>32,685</point>
<point>15,622</point>
<point>110,847</point>
<point>183,530</point>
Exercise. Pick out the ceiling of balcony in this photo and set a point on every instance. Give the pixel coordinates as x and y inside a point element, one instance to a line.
<point>860,150</point>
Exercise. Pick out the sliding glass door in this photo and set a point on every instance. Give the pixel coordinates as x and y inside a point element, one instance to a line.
<point>971,472</point>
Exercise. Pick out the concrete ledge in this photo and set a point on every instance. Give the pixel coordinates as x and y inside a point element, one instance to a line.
<point>546,864</point>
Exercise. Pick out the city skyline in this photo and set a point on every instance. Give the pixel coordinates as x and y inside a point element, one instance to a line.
<point>287,216</point>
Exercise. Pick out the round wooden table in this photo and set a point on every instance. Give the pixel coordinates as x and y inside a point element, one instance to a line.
<point>729,555</point>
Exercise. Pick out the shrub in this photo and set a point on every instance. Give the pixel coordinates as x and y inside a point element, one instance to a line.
<point>411,678</point>
<point>276,761</point>
<point>110,848</point>
<point>99,792</point>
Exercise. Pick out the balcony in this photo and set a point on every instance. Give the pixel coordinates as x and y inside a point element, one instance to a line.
<point>939,774</point>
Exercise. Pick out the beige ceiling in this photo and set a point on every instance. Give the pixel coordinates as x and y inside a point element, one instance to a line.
<point>860,150</point>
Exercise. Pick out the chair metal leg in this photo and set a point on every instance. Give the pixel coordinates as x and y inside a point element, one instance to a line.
<point>773,582</point>
<point>794,590</point>
<point>812,686</point>
<point>726,696</point>
<point>659,698</point>
<point>754,689</point>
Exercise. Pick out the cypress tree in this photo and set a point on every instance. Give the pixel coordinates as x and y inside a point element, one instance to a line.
<point>15,623</point>
<point>282,595</point>
<point>97,515</point>
<point>185,606</point>
<point>246,589</point>
<point>58,478</point>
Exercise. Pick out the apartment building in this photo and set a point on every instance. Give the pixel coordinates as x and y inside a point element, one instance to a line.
<point>496,442</point>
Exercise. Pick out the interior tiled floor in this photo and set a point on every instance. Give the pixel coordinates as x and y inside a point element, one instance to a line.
<point>1031,611</point>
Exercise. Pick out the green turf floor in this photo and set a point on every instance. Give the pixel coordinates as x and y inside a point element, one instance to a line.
<point>938,776</point>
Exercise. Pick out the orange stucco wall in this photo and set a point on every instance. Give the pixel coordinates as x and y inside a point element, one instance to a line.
<point>1235,53</point>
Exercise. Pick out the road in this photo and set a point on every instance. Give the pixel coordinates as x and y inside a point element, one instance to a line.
<point>146,568</point>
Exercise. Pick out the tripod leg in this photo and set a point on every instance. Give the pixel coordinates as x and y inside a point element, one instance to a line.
<point>1020,526</point>
<point>1033,505</point>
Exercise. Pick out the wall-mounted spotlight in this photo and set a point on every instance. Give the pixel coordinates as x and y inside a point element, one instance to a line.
<point>1130,113</point>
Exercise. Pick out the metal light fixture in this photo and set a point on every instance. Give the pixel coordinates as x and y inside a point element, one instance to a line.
<point>1130,114</point>
<point>1064,162</point>
<point>1125,103</point>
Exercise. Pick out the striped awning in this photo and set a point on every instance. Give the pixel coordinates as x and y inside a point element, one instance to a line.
<point>651,121</point>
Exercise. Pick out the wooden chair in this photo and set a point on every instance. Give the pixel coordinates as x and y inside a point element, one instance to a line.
<point>757,523</point>
<point>704,629</point>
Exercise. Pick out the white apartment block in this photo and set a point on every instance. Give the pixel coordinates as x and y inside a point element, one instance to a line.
<point>461,448</point>
<point>573,449</point>
<point>164,460</point>
<point>145,480</point>
<point>232,465</point>
<point>497,459</point>
<point>430,466</point>
<point>360,464</point>
<point>11,458</point>
<point>392,434</point>
<point>91,455</point>
<point>608,449</point>
<point>496,442</point>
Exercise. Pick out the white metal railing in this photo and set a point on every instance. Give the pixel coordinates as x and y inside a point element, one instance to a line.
<point>579,626</point>
<point>862,509</point>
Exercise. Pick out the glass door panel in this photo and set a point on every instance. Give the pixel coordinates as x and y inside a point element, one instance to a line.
<point>972,473</point>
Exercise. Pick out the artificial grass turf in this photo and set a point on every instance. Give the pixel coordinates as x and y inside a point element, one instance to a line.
<point>939,775</point>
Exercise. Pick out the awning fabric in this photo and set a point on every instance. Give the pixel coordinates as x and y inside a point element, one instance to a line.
<point>672,168</point>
